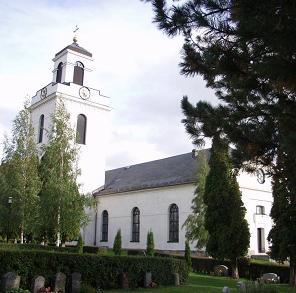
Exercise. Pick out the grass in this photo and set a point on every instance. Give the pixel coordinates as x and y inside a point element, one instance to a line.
<point>198,283</point>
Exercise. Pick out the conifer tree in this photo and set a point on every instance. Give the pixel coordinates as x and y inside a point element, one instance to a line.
<point>188,255</point>
<point>225,214</point>
<point>150,244</point>
<point>117,243</point>
<point>61,210</point>
<point>19,172</point>
<point>247,56</point>
<point>195,227</point>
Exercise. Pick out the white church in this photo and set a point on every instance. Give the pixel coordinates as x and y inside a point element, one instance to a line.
<point>153,195</point>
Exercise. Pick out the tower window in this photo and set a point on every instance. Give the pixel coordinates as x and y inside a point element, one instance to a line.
<point>173,223</point>
<point>261,240</point>
<point>78,73</point>
<point>59,73</point>
<point>260,210</point>
<point>41,127</point>
<point>81,129</point>
<point>135,225</point>
<point>104,226</point>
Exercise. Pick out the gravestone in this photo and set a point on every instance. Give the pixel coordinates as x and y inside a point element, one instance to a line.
<point>226,290</point>
<point>124,281</point>
<point>221,270</point>
<point>60,283</point>
<point>148,279</point>
<point>10,281</point>
<point>38,283</point>
<point>176,279</point>
<point>75,282</point>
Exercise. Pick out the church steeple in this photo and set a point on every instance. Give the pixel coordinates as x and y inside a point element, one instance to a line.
<point>71,63</point>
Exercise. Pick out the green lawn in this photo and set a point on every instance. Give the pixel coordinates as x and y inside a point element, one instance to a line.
<point>201,284</point>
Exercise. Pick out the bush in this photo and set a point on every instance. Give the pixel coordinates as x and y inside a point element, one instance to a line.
<point>97,271</point>
<point>246,269</point>
<point>150,244</point>
<point>95,250</point>
<point>27,246</point>
<point>188,255</point>
<point>80,244</point>
<point>117,243</point>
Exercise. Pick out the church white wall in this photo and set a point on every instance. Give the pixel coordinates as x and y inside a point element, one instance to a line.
<point>154,212</point>
<point>154,205</point>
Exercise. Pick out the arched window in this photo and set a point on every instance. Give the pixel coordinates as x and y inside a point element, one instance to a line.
<point>41,127</point>
<point>59,72</point>
<point>135,225</point>
<point>81,129</point>
<point>78,73</point>
<point>173,223</point>
<point>104,226</point>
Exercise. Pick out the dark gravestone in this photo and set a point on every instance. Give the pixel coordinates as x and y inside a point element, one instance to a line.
<point>176,279</point>
<point>148,279</point>
<point>60,283</point>
<point>38,283</point>
<point>124,281</point>
<point>10,281</point>
<point>75,282</point>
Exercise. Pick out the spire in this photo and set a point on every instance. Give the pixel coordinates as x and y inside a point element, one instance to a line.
<point>75,34</point>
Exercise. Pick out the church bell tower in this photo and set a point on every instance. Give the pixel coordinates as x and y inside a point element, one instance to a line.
<point>88,109</point>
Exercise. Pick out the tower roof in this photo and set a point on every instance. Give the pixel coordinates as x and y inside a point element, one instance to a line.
<point>75,47</point>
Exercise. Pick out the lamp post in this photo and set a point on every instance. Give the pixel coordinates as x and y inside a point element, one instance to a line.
<point>9,205</point>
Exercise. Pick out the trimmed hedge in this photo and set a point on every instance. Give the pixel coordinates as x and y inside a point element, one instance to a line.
<point>95,250</point>
<point>26,246</point>
<point>246,268</point>
<point>97,271</point>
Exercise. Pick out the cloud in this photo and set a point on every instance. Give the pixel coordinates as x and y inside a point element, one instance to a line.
<point>136,65</point>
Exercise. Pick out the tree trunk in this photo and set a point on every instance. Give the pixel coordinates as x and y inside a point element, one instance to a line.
<point>22,235</point>
<point>234,267</point>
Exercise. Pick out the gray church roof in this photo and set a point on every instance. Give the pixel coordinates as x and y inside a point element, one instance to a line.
<point>75,47</point>
<point>174,170</point>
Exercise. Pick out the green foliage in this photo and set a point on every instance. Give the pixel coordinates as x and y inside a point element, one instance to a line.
<point>80,244</point>
<point>225,214</point>
<point>19,290</point>
<point>26,246</point>
<point>195,227</point>
<point>247,57</point>
<point>117,243</point>
<point>252,287</point>
<point>19,179</point>
<point>97,271</point>
<point>62,207</point>
<point>187,255</point>
<point>150,244</point>
<point>95,250</point>
<point>85,288</point>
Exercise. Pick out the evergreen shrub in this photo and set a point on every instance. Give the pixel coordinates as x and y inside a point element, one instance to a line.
<point>117,243</point>
<point>247,269</point>
<point>97,271</point>
<point>95,250</point>
<point>31,246</point>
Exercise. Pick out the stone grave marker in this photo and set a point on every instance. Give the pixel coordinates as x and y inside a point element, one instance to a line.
<point>148,279</point>
<point>60,282</point>
<point>124,281</point>
<point>38,283</point>
<point>176,279</point>
<point>10,281</point>
<point>75,282</point>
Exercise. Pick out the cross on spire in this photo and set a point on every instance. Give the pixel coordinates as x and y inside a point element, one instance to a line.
<point>75,33</point>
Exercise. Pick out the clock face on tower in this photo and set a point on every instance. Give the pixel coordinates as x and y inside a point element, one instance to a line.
<point>260,176</point>
<point>84,93</point>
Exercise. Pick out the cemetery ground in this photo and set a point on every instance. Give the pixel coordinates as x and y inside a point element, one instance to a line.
<point>198,283</point>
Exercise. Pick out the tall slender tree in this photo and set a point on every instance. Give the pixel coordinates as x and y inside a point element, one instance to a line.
<point>245,50</point>
<point>61,211</point>
<point>20,172</point>
<point>195,226</point>
<point>225,221</point>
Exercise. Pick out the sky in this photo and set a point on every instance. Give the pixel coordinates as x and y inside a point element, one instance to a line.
<point>136,65</point>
